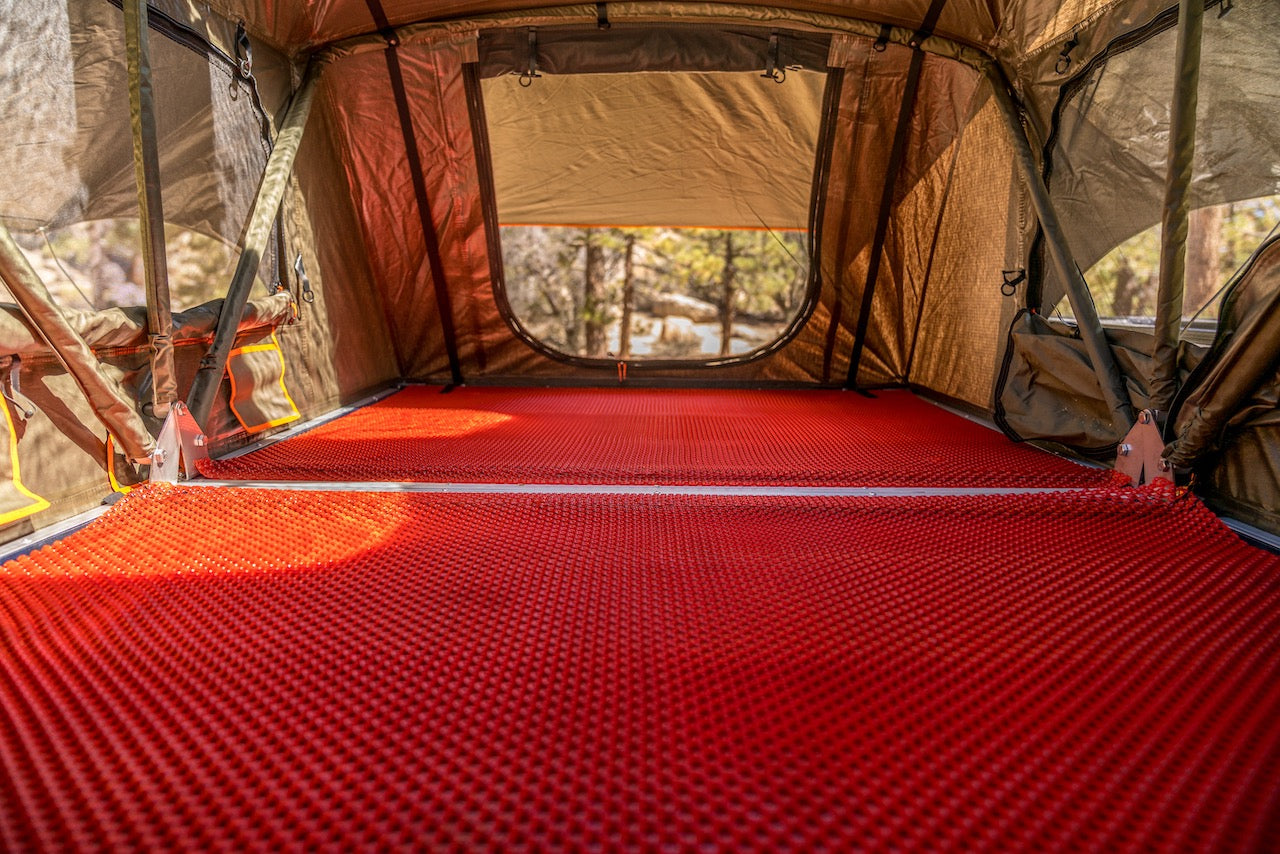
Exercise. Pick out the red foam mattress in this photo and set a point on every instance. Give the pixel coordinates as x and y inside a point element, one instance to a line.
<point>240,669</point>
<point>647,436</point>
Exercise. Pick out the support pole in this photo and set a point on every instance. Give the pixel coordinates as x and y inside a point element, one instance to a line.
<point>146,164</point>
<point>204,388</point>
<point>1177,206</point>
<point>1109,377</point>
<point>104,394</point>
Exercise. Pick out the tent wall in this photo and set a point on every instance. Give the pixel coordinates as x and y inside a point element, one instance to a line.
<point>920,186</point>
<point>303,27</point>
<point>964,313</point>
<point>68,140</point>
<point>340,346</point>
<point>359,97</point>
<point>359,100</point>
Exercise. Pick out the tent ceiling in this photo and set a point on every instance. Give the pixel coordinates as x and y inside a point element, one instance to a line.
<point>295,26</point>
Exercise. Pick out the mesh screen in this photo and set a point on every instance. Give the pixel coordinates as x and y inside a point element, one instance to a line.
<point>1108,165</point>
<point>68,141</point>
<point>356,671</point>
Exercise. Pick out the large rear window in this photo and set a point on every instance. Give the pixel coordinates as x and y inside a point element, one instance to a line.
<point>654,215</point>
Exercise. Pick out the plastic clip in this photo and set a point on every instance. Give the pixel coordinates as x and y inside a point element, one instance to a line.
<point>622,372</point>
<point>531,71</point>
<point>1012,278</point>
<point>1064,58</point>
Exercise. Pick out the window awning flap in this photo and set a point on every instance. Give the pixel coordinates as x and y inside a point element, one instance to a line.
<point>686,149</point>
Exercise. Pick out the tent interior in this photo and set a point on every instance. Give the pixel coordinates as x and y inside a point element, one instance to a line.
<point>478,424</point>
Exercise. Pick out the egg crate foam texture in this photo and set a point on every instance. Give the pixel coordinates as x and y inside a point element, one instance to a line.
<point>647,436</point>
<point>253,669</point>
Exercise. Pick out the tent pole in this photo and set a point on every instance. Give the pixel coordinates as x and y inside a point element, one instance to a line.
<point>104,394</point>
<point>204,387</point>
<point>1177,206</point>
<point>146,163</point>
<point>1104,365</point>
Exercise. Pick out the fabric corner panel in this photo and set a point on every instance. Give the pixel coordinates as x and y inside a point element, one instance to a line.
<point>368,124</point>
<point>259,397</point>
<point>16,501</point>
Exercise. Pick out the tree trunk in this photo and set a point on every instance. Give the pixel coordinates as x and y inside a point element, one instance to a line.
<point>592,314</point>
<point>1126,292</point>
<point>96,261</point>
<point>628,297</point>
<point>1204,244</point>
<point>727,292</point>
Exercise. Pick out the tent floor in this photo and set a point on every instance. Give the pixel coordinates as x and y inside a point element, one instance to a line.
<point>648,436</point>
<point>304,669</point>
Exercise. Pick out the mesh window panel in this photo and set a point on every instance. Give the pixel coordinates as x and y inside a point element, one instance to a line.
<point>655,215</point>
<point>68,144</point>
<point>1108,162</point>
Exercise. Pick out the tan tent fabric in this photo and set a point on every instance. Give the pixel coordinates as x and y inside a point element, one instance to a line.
<point>339,347</point>
<point>288,24</point>
<point>964,282</point>
<point>873,88</point>
<point>710,150</point>
<point>387,204</point>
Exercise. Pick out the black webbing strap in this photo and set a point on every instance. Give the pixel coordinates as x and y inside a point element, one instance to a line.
<point>842,242</point>
<point>896,155</point>
<point>444,304</point>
